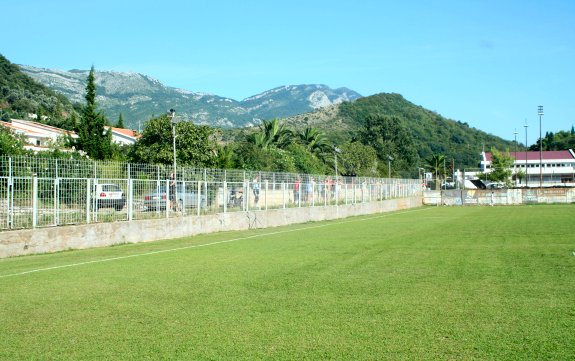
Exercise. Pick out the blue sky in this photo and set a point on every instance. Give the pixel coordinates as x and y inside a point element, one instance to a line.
<point>487,63</point>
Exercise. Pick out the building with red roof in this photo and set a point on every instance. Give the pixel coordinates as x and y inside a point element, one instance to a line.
<point>550,168</point>
<point>40,137</point>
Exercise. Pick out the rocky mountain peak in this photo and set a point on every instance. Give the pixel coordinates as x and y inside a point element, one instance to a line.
<point>139,97</point>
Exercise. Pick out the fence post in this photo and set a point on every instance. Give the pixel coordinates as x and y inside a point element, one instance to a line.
<point>199,204</point>
<point>88,187</point>
<point>130,199</point>
<point>205,192</point>
<point>56,201</point>
<point>325,193</point>
<point>299,192</point>
<point>266,196</point>
<point>283,195</point>
<point>246,196</point>
<point>336,191</point>
<point>34,201</point>
<point>10,195</point>
<point>312,193</point>
<point>225,195</point>
<point>167,191</point>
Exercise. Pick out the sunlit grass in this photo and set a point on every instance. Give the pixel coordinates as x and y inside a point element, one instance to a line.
<point>464,283</point>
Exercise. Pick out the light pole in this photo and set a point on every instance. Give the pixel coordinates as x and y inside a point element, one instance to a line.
<point>389,159</point>
<point>526,165</point>
<point>540,113</point>
<point>419,169</point>
<point>335,151</point>
<point>515,160</point>
<point>172,116</point>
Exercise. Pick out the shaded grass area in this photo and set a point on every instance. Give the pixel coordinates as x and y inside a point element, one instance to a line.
<point>479,283</point>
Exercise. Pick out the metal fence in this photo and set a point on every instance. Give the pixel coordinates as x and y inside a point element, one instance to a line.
<point>43,192</point>
<point>493,197</point>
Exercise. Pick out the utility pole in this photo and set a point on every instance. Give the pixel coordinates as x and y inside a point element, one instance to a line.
<point>526,165</point>
<point>540,113</point>
<point>515,160</point>
<point>172,116</point>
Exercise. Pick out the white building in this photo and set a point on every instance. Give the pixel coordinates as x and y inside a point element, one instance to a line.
<point>557,167</point>
<point>40,136</point>
<point>124,136</point>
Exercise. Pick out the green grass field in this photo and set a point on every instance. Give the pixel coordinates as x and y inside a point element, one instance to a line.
<point>438,283</point>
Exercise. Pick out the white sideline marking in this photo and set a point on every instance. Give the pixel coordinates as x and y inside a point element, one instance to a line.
<point>206,244</point>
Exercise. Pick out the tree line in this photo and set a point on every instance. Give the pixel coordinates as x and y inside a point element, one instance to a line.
<point>379,144</point>
<point>270,147</point>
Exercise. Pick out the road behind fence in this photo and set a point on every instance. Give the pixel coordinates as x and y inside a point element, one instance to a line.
<point>44,192</point>
<point>458,197</point>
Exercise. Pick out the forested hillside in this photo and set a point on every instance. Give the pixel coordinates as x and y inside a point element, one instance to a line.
<point>425,132</point>
<point>379,135</point>
<point>557,141</point>
<point>20,95</point>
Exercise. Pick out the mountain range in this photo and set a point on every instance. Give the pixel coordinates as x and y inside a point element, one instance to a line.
<point>139,97</point>
<point>341,114</point>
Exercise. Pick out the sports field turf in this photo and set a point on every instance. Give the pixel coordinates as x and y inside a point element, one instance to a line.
<point>438,283</point>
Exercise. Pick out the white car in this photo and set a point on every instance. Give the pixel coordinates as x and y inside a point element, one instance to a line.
<point>108,195</point>
<point>495,185</point>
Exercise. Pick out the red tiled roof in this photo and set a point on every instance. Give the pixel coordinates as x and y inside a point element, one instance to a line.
<point>546,155</point>
<point>126,132</point>
<point>15,127</point>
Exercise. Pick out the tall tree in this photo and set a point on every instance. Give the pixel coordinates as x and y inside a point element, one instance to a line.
<point>93,138</point>
<point>195,145</point>
<point>501,167</point>
<point>436,163</point>
<point>357,159</point>
<point>120,123</point>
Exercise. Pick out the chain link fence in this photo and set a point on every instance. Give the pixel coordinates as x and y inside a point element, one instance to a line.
<point>43,192</point>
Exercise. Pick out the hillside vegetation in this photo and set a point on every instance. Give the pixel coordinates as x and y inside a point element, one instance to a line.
<point>429,132</point>
<point>379,135</point>
<point>20,95</point>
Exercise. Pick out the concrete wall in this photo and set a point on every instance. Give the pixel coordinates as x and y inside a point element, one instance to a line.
<point>45,240</point>
<point>458,197</point>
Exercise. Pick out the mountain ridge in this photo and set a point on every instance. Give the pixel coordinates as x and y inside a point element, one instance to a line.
<point>139,97</point>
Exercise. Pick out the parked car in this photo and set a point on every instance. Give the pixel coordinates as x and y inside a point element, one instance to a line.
<point>495,185</point>
<point>108,195</point>
<point>187,198</point>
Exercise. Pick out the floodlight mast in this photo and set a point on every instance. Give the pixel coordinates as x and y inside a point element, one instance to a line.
<point>540,113</point>
<point>515,160</point>
<point>526,165</point>
<point>336,150</point>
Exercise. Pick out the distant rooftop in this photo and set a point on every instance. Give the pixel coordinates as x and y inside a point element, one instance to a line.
<point>546,155</point>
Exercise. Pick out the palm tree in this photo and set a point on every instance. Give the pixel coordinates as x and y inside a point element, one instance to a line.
<point>272,133</point>
<point>436,163</point>
<point>315,141</point>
